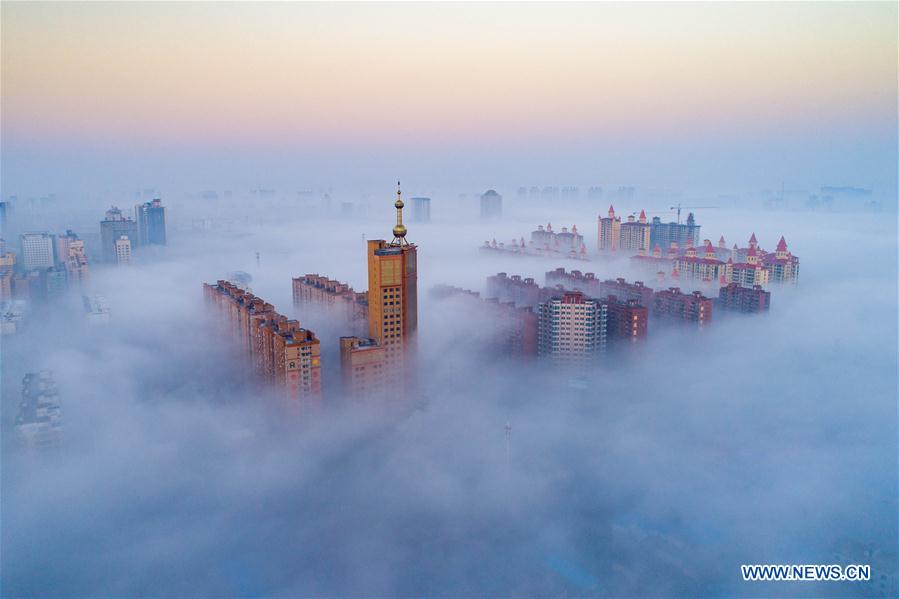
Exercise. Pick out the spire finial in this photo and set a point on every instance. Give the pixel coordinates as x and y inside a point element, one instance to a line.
<point>399,231</point>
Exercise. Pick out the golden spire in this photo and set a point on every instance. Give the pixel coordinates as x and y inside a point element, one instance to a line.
<point>399,231</point>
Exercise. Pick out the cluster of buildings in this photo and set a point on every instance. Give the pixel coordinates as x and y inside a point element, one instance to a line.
<point>576,318</point>
<point>573,319</point>
<point>673,248</point>
<point>579,316</point>
<point>636,234</point>
<point>375,359</point>
<point>545,243</point>
<point>748,266</point>
<point>45,267</point>
<point>275,350</point>
<point>39,420</point>
<point>665,249</point>
<point>48,264</point>
<point>731,297</point>
<point>120,235</point>
<point>631,235</point>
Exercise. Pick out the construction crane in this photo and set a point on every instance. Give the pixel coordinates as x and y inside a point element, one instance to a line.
<point>679,207</point>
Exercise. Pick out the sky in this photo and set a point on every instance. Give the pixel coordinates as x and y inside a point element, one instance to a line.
<point>729,95</point>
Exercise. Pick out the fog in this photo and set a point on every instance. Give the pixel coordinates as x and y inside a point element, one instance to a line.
<point>759,439</point>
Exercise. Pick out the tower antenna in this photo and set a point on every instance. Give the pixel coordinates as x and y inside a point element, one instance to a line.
<point>508,443</point>
<point>399,231</point>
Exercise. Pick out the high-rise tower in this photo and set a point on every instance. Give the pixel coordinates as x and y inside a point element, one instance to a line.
<point>151,222</point>
<point>393,289</point>
<point>381,365</point>
<point>609,231</point>
<point>491,205</point>
<point>111,230</point>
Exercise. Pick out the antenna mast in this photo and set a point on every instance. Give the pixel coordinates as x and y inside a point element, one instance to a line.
<point>508,443</point>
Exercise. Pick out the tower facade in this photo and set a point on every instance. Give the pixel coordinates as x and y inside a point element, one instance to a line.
<point>635,234</point>
<point>112,227</point>
<point>363,366</point>
<point>274,350</point>
<point>63,243</point>
<point>123,250</point>
<point>672,304</point>
<point>76,262</point>
<point>38,251</point>
<point>151,222</point>
<point>627,320</point>
<point>744,299</point>
<point>572,328</point>
<point>609,231</point>
<point>664,234</point>
<point>7,267</point>
<point>706,267</point>
<point>783,266</point>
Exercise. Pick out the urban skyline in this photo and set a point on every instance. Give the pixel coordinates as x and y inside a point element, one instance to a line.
<point>628,327</point>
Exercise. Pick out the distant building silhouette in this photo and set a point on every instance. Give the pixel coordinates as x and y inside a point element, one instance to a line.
<point>151,222</point>
<point>38,250</point>
<point>112,227</point>
<point>421,210</point>
<point>664,234</point>
<point>491,205</point>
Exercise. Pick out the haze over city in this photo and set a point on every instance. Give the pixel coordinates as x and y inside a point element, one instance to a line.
<point>626,323</point>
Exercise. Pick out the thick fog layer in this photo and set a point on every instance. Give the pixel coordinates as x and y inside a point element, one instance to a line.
<point>760,439</point>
